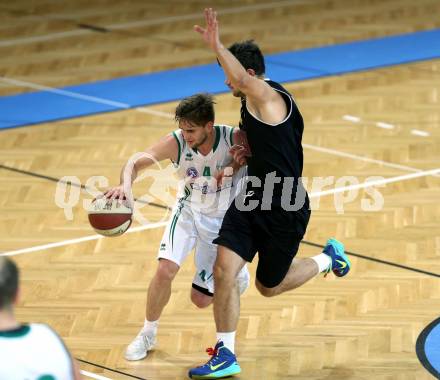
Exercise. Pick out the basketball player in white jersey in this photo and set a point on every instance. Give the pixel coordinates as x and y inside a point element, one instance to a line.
<point>32,351</point>
<point>200,151</point>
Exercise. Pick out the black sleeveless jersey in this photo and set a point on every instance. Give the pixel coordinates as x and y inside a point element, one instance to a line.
<point>275,148</point>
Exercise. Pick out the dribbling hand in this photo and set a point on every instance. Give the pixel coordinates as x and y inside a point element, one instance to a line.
<point>116,192</point>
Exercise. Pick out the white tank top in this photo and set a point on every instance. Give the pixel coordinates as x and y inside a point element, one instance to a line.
<point>196,172</point>
<point>34,352</point>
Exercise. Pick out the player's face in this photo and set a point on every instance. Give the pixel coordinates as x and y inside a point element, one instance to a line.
<point>235,91</point>
<point>194,135</point>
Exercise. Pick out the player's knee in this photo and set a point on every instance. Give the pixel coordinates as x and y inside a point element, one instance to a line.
<point>200,300</point>
<point>166,271</point>
<point>266,292</point>
<point>223,274</point>
<point>219,271</point>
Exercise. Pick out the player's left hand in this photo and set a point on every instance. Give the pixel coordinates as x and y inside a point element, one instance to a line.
<point>239,154</point>
<point>210,33</point>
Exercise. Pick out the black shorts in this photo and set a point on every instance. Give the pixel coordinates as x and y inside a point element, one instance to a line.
<point>275,234</point>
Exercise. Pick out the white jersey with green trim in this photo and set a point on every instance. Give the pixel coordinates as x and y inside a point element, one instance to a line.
<point>34,352</point>
<point>197,173</point>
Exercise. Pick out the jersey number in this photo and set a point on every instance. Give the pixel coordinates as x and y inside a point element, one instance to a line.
<point>207,171</point>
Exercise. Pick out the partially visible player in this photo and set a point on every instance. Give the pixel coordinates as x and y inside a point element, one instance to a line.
<point>28,351</point>
<point>200,152</point>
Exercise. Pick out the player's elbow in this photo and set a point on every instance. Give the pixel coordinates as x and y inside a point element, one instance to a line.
<point>142,160</point>
<point>137,167</point>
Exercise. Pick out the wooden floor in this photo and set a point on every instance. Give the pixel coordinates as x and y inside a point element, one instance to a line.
<point>93,292</point>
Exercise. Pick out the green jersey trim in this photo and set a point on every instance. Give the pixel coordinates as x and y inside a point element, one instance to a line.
<point>179,148</point>
<point>177,214</point>
<point>231,136</point>
<point>16,333</point>
<point>217,137</point>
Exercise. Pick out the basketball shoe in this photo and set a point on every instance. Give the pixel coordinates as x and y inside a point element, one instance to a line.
<point>140,345</point>
<point>223,363</point>
<point>340,264</point>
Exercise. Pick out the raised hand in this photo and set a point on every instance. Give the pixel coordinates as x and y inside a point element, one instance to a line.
<point>210,33</point>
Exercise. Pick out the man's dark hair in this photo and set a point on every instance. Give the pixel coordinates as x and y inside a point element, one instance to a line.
<point>197,109</point>
<point>249,55</point>
<point>9,276</point>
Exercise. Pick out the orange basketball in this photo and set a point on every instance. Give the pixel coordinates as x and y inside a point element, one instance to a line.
<point>110,217</point>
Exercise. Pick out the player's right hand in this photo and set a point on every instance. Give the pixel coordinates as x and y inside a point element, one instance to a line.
<point>116,192</point>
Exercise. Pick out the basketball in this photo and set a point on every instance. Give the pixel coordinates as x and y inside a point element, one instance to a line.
<point>110,217</point>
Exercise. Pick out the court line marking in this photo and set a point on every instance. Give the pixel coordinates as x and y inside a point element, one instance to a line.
<point>418,173</point>
<point>72,183</point>
<point>125,106</point>
<point>361,158</point>
<point>380,182</point>
<point>417,132</point>
<point>376,260</point>
<point>110,369</point>
<point>87,98</point>
<point>63,243</point>
<point>384,125</point>
<point>144,23</point>
<point>94,376</point>
<point>163,114</point>
<point>68,94</point>
<point>420,348</point>
<point>150,226</point>
<point>353,119</point>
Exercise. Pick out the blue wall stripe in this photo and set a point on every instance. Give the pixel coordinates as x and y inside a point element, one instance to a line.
<point>165,86</point>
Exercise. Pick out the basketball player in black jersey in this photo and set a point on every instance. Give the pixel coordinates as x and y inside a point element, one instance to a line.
<point>275,227</point>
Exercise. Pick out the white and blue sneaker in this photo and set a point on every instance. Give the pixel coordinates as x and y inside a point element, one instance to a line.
<point>223,363</point>
<point>340,264</point>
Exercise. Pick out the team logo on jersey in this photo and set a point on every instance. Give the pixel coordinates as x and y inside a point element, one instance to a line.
<point>188,157</point>
<point>205,189</point>
<point>192,172</point>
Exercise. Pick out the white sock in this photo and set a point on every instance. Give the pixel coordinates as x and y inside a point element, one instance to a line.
<point>228,340</point>
<point>323,261</point>
<point>150,328</point>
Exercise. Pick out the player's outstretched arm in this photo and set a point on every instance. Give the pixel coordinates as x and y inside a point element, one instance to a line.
<point>165,148</point>
<point>255,89</point>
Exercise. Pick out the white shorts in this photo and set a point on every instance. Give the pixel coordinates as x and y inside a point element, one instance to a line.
<point>188,230</point>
